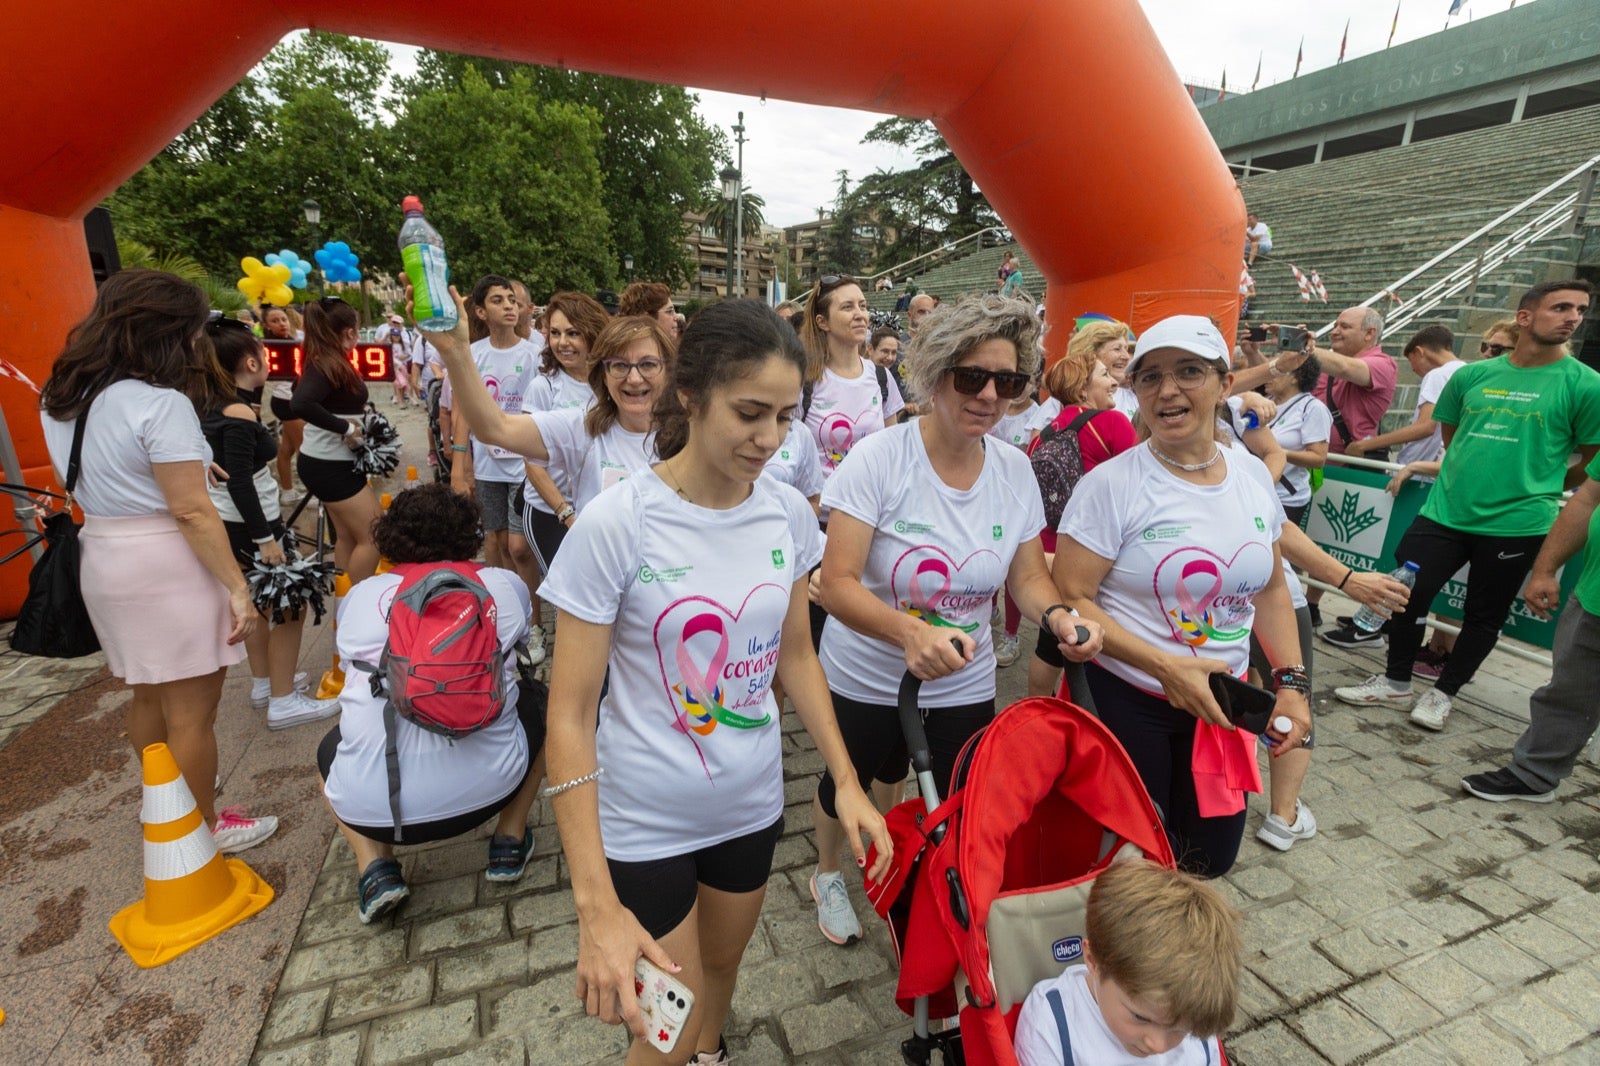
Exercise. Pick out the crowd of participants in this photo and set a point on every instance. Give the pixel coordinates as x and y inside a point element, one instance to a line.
<point>758,506</point>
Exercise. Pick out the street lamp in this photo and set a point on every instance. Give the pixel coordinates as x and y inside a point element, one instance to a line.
<point>313,212</point>
<point>730,196</point>
<point>738,207</point>
<point>627,267</point>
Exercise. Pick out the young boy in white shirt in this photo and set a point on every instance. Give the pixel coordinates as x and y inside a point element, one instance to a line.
<point>1160,982</point>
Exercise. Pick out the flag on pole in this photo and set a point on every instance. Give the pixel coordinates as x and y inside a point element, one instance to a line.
<point>1345,40</point>
<point>1257,80</point>
<point>1395,25</point>
<point>1318,288</point>
<point>1455,7</point>
<point>1223,95</point>
<point>1300,280</point>
<point>1298,56</point>
<point>7,370</point>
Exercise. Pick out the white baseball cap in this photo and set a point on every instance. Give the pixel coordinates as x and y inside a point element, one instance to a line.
<point>397,320</point>
<point>1194,334</point>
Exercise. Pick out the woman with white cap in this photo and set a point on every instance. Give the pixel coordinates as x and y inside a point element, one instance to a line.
<point>1197,525</point>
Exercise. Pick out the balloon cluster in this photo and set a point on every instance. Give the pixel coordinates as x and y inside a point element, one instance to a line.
<point>264,284</point>
<point>284,591</point>
<point>379,452</point>
<point>338,262</point>
<point>298,268</point>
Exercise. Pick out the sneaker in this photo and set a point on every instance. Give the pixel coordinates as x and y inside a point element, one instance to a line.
<point>719,1057</point>
<point>508,857</point>
<point>297,708</point>
<point>1429,664</point>
<point>1344,621</point>
<point>536,652</point>
<point>1352,637</point>
<point>381,889</point>
<point>835,917</point>
<point>1277,833</point>
<point>237,830</point>
<point>1375,689</point>
<point>1432,710</point>
<point>261,689</point>
<point>1497,786</point>
<point>1005,653</point>
<point>290,497</point>
<point>1316,615</point>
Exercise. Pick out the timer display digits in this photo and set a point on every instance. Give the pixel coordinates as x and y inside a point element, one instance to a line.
<point>372,361</point>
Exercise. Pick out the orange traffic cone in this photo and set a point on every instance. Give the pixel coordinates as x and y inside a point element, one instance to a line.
<point>191,893</point>
<point>332,683</point>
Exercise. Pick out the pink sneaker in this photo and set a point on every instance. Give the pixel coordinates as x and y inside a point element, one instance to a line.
<point>237,830</point>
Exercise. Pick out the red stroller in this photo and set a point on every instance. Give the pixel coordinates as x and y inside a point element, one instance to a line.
<point>986,894</point>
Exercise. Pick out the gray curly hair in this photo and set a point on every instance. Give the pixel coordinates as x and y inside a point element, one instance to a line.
<point>951,333</point>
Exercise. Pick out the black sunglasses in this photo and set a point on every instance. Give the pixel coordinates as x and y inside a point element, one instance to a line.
<point>1495,350</point>
<point>833,281</point>
<point>1008,384</point>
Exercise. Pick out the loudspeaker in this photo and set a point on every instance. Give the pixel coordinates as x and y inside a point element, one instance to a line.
<point>102,244</point>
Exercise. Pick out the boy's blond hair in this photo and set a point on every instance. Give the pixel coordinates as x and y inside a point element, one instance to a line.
<point>1168,937</point>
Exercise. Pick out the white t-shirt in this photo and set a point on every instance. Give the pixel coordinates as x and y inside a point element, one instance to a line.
<point>1048,411</point>
<point>425,355</point>
<point>1301,420</point>
<point>553,392</point>
<point>1261,232</point>
<point>587,465</point>
<point>937,553</point>
<point>131,426</point>
<point>696,600</point>
<point>844,411</point>
<point>1018,429</point>
<point>796,462</point>
<point>506,373</point>
<point>1038,1038</point>
<point>439,777</point>
<point>1428,448</point>
<point>1187,560</point>
<point>1125,400</point>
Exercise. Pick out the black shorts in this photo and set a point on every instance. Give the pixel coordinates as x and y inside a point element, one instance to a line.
<point>330,480</point>
<point>661,892</point>
<point>544,532</point>
<point>244,546</point>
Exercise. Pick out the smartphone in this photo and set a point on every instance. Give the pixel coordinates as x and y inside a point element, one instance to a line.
<point>1248,707</point>
<point>664,1001</point>
<point>1257,333</point>
<point>1292,338</point>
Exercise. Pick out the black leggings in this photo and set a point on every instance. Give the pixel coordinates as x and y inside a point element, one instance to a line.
<point>1160,741</point>
<point>877,749</point>
<point>1499,566</point>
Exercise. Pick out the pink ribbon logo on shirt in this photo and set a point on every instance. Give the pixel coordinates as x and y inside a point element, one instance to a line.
<point>923,577</point>
<point>1199,618</point>
<point>837,434</point>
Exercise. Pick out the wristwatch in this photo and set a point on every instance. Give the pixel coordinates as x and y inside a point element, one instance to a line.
<point>565,513</point>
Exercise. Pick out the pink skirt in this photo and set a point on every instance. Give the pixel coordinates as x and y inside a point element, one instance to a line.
<point>157,610</point>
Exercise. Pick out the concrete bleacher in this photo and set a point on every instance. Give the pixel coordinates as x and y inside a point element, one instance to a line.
<point>970,273</point>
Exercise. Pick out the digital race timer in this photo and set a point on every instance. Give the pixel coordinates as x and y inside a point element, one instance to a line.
<point>374,362</point>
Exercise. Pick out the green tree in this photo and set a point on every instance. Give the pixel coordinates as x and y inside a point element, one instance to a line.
<point>510,179</point>
<point>720,214</point>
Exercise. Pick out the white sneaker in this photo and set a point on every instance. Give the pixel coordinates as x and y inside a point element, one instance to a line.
<point>1005,652</point>
<point>536,652</point>
<point>835,917</point>
<point>297,709</point>
<point>290,497</point>
<point>1277,833</point>
<point>237,830</point>
<point>1432,710</point>
<point>261,688</point>
<point>1375,689</point>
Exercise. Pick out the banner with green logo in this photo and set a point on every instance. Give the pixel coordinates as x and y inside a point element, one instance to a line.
<point>1354,520</point>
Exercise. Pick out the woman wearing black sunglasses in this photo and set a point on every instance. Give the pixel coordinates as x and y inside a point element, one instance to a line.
<point>928,522</point>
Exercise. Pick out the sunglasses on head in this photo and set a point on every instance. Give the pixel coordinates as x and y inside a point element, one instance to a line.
<point>833,281</point>
<point>970,380</point>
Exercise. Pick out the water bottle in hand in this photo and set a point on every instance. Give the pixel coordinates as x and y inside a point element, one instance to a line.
<point>1369,621</point>
<point>422,254</point>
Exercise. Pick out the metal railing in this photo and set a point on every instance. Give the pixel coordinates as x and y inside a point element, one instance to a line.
<point>1565,213</point>
<point>941,253</point>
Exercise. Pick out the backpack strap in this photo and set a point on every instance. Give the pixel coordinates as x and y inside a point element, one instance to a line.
<point>883,383</point>
<point>391,761</point>
<point>1078,422</point>
<point>1053,997</point>
<point>808,388</point>
<point>805,399</point>
<point>75,457</point>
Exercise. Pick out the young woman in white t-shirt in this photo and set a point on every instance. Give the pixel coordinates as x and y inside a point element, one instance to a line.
<point>1172,547</point>
<point>847,402</point>
<point>682,594</point>
<point>929,520</point>
<point>160,583</point>
<point>1302,426</point>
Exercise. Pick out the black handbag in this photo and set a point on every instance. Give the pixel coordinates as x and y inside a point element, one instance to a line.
<point>53,621</point>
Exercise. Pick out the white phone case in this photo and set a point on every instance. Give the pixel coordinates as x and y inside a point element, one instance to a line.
<point>664,1001</point>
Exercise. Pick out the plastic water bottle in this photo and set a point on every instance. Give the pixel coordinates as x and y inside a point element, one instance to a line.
<point>1369,621</point>
<point>422,254</point>
<point>1252,420</point>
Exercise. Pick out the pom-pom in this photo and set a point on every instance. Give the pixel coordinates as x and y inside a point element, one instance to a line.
<point>379,453</point>
<point>286,590</point>
<point>884,320</point>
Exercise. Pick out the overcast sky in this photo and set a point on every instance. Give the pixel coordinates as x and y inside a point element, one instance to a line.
<point>793,152</point>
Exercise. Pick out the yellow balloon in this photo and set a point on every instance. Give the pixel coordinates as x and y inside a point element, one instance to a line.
<point>278,274</point>
<point>279,296</point>
<point>251,288</point>
<point>251,265</point>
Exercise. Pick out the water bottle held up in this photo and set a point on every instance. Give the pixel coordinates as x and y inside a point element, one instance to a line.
<point>422,254</point>
<point>1369,621</point>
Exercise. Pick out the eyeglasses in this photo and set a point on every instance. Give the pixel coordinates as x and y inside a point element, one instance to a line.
<point>970,380</point>
<point>1495,349</point>
<point>1189,376</point>
<point>618,369</point>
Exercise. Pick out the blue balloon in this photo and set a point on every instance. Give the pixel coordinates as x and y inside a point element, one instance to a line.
<point>338,262</point>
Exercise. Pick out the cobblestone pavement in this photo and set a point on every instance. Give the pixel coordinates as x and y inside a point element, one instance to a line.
<point>1419,926</point>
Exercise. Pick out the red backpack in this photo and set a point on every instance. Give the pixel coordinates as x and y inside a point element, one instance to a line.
<point>442,667</point>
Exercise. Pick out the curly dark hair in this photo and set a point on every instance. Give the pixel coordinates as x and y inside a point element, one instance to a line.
<point>430,524</point>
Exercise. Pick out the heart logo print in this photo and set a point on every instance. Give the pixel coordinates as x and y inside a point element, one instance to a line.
<point>923,579</point>
<point>1202,596</point>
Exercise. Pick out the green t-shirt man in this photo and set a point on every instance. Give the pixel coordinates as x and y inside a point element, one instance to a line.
<point>1502,474</point>
<point>1588,587</point>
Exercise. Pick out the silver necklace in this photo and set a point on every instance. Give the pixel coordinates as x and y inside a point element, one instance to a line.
<point>1187,468</point>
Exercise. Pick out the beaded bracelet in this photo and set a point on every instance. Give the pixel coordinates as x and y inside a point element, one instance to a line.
<point>555,790</point>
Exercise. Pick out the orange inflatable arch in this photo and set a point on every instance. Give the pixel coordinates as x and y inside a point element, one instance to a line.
<point>1068,115</point>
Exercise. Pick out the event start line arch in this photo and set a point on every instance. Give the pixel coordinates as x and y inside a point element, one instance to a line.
<point>1069,117</point>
